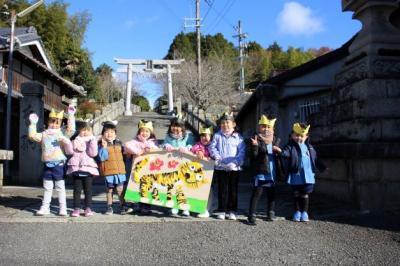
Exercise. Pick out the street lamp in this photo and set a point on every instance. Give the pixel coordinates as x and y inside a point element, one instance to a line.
<point>10,73</point>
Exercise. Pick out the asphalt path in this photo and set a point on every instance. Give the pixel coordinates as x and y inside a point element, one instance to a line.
<point>198,243</point>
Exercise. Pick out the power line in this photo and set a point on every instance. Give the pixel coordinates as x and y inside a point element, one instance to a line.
<point>222,14</point>
<point>219,14</point>
<point>210,4</point>
<point>170,10</point>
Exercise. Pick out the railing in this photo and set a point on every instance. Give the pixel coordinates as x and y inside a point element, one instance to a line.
<point>108,113</point>
<point>197,117</point>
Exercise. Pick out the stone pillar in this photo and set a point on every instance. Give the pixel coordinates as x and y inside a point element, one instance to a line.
<point>30,163</point>
<point>358,133</point>
<point>128,99</point>
<point>178,104</point>
<point>170,91</point>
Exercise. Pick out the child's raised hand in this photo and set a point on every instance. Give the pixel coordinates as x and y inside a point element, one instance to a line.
<point>63,139</point>
<point>231,166</point>
<point>147,149</point>
<point>254,141</point>
<point>33,118</point>
<point>200,155</point>
<point>276,149</point>
<point>71,110</point>
<point>103,143</point>
<point>169,148</point>
<point>184,150</point>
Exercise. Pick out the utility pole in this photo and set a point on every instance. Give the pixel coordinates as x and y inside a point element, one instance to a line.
<point>241,36</point>
<point>197,26</point>
<point>198,42</point>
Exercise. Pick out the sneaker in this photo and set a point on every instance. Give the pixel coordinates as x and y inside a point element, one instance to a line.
<point>76,213</point>
<point>174,211</point>
<point>109,211</point>
<point>271,216</point>
<point>232,216</point>
<point>304,217</point>
<point>205,214</point>
<point>63,212</point>
<point>186,213</point>
<point>88,212</point>
<point>125,210</point>
<point>43,211</point>
<point>221,216</point>
<point>251,220</point>
<point>297,216</point>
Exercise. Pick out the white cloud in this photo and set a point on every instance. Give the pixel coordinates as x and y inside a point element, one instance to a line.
<point>129,24</point>
<point>152,19</point>
<point>296,19</point>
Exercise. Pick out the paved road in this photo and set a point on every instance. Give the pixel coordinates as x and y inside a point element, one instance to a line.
<point>197,243</point>
<point>127,126</point>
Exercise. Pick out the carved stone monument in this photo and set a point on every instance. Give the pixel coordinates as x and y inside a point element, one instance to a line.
<point>358,133</point>
<point>30,164</point>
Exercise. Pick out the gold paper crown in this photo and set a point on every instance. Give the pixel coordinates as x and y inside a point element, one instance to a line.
<point>298,129</point>
<point>145,124</point>
<point>205,130</point>
<point>265,121</point>
<point>54,114</point>
<point>227,116</point>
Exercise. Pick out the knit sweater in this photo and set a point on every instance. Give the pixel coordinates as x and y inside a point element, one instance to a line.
<point>52,142</point>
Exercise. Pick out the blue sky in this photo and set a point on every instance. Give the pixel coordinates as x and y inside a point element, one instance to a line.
<point>145,29</point>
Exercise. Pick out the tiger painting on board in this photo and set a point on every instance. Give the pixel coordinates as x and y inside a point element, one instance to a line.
<point>190,174</point>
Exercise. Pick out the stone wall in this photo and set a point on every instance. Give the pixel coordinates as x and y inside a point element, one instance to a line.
<point>110,112</point>
<point>358,133</point>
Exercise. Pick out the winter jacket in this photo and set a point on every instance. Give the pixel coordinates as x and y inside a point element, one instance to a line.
<point>111,159</point>
<point>291,158</point>
<point>259,158</point>
<point>83,151</point>
<point>201,147</point>
<point>136,146</point>
<point>228,151</point>
<point>50,140</point>
<point>185,142</point>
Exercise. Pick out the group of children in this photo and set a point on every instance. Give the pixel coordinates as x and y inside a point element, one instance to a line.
<point>90,157</point>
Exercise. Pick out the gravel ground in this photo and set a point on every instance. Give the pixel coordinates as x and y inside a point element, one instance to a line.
<point>198,243</point>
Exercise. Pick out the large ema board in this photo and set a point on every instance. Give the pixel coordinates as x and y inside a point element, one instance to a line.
<point>172,180</point>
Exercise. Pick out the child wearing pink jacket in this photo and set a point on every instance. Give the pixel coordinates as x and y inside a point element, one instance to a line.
<point>200,149</point>
<point>82,167</point>
<point>145,141</point>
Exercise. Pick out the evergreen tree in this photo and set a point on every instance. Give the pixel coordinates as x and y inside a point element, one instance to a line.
<point>62,36</point>
<point>142,102</point>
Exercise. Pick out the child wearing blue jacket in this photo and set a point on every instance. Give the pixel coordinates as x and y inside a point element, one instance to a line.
<point>299,163</point>
<point>228,150</point>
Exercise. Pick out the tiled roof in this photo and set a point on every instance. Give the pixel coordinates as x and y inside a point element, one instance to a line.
<point>25,36</point>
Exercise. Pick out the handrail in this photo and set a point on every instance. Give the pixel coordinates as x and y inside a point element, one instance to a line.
<point>195,120</point>
<point>110,112</point>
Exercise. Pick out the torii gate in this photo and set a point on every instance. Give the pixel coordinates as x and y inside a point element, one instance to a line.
<point>149,68</point>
